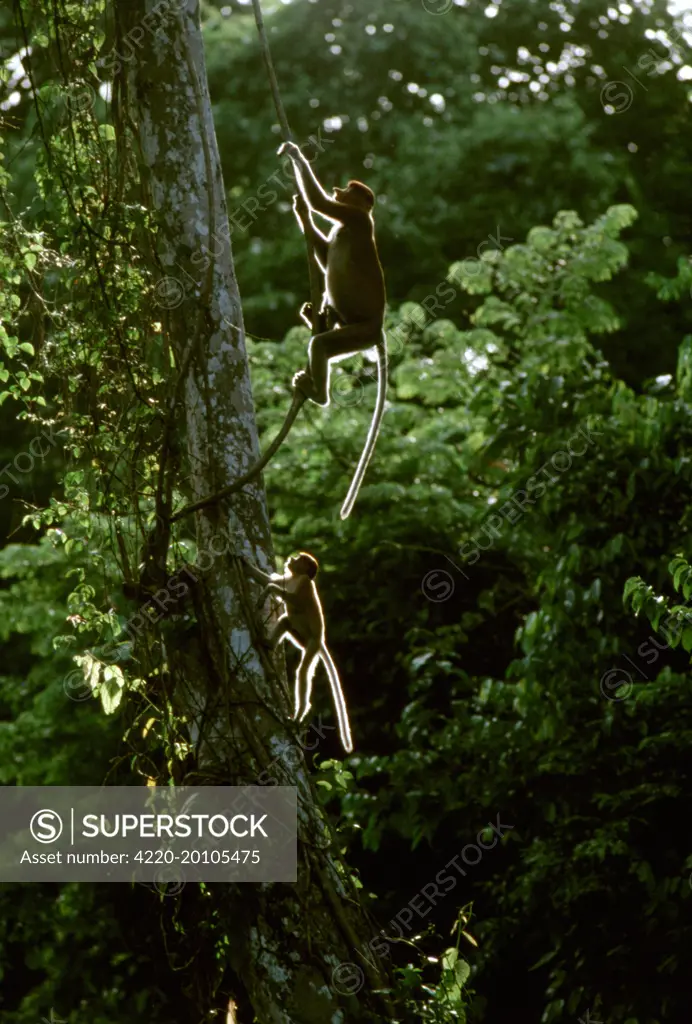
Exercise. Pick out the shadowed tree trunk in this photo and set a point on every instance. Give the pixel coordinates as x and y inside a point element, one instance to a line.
<point>286,950</point>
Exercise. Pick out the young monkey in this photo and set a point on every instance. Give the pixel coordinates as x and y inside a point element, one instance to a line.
<point>354,293</point>
<point>303,624</point>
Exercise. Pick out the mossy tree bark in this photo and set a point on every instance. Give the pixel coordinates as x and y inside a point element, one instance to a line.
<point>275,947</point>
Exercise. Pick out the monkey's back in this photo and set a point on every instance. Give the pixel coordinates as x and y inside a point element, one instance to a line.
<point>355,282</point>
<point>305,614</point>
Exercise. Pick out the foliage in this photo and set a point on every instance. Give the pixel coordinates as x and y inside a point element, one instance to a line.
<point>84,374</point>
<point>478,122</point>
<point>539,482</point>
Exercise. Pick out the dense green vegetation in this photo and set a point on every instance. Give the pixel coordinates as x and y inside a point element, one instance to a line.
<point>534,459</point>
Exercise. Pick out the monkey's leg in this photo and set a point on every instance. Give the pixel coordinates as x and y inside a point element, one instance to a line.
<point>283,630</point>
<point>306,670</point>
<point>307,692</point>
<point>271,588</point>
<point>279,631</point>
<point>331,316</point>
<point>334,344</point>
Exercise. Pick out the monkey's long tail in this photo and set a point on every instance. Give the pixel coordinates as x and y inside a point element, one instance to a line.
<point>370,441</point>
<point>338,698</point>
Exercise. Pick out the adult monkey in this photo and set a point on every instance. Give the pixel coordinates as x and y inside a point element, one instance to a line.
<point>353,289</point>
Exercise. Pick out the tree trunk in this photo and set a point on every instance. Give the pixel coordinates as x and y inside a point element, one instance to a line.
<point>289,948</point>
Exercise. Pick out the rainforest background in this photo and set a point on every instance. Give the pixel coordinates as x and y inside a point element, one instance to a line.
<point>532,163</point>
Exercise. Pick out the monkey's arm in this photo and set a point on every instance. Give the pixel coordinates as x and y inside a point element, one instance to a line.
<point>280,590</point>
<point>271,588</point>
<point>312,191</point>
<point>320,242</point>
<point>257,574</point>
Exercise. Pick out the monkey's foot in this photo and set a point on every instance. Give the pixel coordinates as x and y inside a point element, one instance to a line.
<point>290,149</point>
<point>304,382</point>
<point>303,714</point>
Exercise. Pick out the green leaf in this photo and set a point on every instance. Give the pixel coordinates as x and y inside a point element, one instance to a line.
<point>473,275</point>
<point>461,971</point>
<point>631,584</point>
<point>681,569</point>
<point>111,694</point>
<point>545,959</point>
<point>616,218</point>
<point>654,609</point>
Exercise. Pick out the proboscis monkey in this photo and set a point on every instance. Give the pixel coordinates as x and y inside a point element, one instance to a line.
<point>353,290</point>
<point>303,624</point>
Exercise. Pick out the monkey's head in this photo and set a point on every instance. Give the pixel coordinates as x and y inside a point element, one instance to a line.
<point>356,194</point>
<point>302,564</point>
